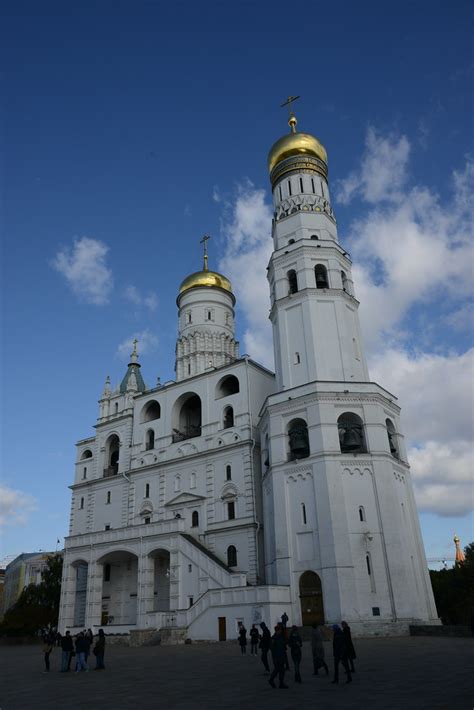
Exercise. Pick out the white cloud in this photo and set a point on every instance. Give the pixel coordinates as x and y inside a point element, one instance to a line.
<point>133,295</point>
<point>147,342</point>
<point>84,268</point>
<point>382,173</point>
<point>15,506</point>
<point>249,245</point>
<point>216,195</point>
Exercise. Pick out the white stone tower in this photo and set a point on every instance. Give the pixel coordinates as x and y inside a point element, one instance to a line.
<point>340,520</point>
<point>206,336</point>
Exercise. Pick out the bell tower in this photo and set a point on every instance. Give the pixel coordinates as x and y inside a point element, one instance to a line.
<point>340,519</point>
<point>314,315</point>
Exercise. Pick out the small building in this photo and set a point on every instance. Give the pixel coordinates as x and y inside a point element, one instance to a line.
<point>24,570</point>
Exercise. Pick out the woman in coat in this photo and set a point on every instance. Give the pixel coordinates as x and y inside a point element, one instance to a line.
<point>350,650</point>
<point>99,651</point>
<point>317,650</point>
<point>242,638</point>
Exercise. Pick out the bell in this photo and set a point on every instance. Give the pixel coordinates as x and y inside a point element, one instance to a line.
<point>351,440</point>
<point>321,281</point>
<point>299,443</point>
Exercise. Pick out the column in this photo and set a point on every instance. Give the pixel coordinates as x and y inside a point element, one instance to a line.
<point>94,595</point>
<point>145,589</point>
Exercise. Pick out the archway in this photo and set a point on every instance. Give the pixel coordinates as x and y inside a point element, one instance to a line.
<point>311,599</point>
<point>119,588</point>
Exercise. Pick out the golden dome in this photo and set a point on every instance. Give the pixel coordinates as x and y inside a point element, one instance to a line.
<point>209,279</point>
<point>295,144</point>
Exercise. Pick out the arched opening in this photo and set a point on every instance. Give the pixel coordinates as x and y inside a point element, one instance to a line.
<point>298,439</point>
<point>228,472</point>
<point>227,386</point>
<point>321,276</point>
<point>292,281</point>
<point>151,411</point>
<point>351,434</point>
<point>345,283</point>
<point>231,556</point>
<point>392,438</point>
<point>150,440</point>
<point>228,417</point>
<point>187,417</point>
<point>195,519</point>
<point>119,588</point>
<point>161,590</point>
<point>112,450</point>
<point>87,454</point>
<point>80,570</point>
<point>311,599</point>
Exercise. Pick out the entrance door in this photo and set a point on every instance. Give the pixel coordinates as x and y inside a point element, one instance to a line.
<point>222,629</point>
<point>311,597</point>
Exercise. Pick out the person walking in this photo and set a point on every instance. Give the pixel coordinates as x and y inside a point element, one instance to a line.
<point>66,652</point>
<point>340,654</point>
<point>99,651</point>
<point>278,649</point>
<point>81,647</point>
<point>265,644</point>
<point>317,650</point>
<point>351,654</point>
<point>242,638</point>
<point>284,619</point>
<point>48,643</point>
<point>87,645</point>
<point>254,639</point>
<point>296,644</point>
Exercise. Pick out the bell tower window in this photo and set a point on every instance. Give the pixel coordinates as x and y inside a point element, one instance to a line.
<point>351,434</point>
<point>292,281</point>
<point>298,439</point>
<point>321,276</point>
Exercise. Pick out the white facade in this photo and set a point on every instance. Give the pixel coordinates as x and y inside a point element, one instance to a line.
<point>233,494</point>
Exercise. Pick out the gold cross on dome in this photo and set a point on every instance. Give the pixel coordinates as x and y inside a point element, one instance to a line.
<point>204,241</point>
<point>289,101</point>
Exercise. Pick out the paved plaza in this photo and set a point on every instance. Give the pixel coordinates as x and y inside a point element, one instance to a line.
<point>397,673</point>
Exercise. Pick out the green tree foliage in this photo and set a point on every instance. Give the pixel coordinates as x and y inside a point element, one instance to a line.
<point>454,590</point>
<point>37,607</point>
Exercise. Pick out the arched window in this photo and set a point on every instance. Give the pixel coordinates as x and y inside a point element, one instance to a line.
<point>147,490</point>
<point>228,417</point>
<point>116,407</point>
<point>392,438</point>
<point>192,480</point>
<point>195,519</point>
<point>228,472</point>
<point>151,411</point>
<point>344,281</point>
<point>112,456</point>
<point>150,440</point>
<point>361,514</point>
<point>321,276</point>
<point>292,281</point>
<point>87,454</point>
<point>351,434</point>
<point>229,385</point>
<point>187,417</point>
<point>177,483</point>
<point>231,556</point>
<point>291,241</point>
<point>298,439</point>
<point>81,504</point>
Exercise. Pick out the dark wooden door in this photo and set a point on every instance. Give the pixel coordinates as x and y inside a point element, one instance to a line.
<point>222,628</point>
<point>311,599</point>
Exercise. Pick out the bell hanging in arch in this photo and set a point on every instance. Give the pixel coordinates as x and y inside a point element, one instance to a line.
<point>351,440</point>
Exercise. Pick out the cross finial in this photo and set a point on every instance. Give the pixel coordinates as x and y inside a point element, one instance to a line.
<point>292,119</point>
<point>204,241</point>
<point>135,343</point>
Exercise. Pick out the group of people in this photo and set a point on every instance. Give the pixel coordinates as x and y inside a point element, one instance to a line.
<point>78,648</point>
<point>283,639</point>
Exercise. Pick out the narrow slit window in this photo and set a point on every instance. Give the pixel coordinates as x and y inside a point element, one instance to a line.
<point>81,505</point>
<point>297,359</point>
<point>109,496</point>
<point>312,186</point>
<point>322,189</point>
<point>303,513</point>
<point>361,514</point>
<point>289,188</point>
<point>189,368</point>
<point>279,192</point>
<point>147,490</point>
<point>301,185</point>
<point>84,473</point>
<point>231,510</point>
<point>228,473</point>
<point>369,567</point>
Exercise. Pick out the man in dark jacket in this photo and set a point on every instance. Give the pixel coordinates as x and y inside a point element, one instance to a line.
<point>296,644</point>
<point>67,648</point>
<point>265,644</point>
<point>340,654</point>
<point>351,654</point>
<point>278,656</point>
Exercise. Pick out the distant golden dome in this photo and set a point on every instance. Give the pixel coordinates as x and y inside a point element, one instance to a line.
<point>295,144</point>
<point>209,279</point>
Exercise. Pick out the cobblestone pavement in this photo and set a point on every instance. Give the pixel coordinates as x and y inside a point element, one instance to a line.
<point>401,673</point>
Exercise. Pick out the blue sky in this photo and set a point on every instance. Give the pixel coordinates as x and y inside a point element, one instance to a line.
<point>130,129</point>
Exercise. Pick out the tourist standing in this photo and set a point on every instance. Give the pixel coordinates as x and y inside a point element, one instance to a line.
<point>296,644</point>
<point>242,638</point>
<point>340,654</point>
<point>278,648</point>
<point>317,649</point>
<point>47,648</point>
<point>284,619</point>
<point>81,647</point>
<point>67,648</point>
<point>99,651</point>
<point>265,644</point>
<point>351,654</point>
<point>254,639</point>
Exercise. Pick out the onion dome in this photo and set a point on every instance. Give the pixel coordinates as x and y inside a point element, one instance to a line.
<point>296,152</point>
<point>206,279</point>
